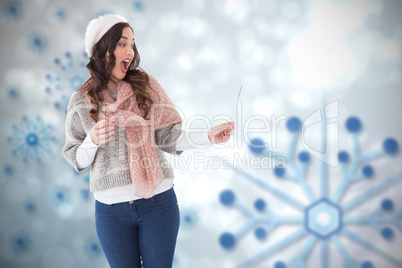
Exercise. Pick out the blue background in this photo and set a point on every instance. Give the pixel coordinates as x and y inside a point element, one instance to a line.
<point>291,57</point>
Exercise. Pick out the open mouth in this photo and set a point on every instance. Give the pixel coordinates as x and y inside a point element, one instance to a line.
<point>124,66</point>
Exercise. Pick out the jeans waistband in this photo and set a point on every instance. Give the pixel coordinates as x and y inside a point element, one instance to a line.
<point>142,199</point>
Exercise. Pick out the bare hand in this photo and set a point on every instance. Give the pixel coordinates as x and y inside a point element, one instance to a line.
<point>221,133</point>
<point>102,132</point>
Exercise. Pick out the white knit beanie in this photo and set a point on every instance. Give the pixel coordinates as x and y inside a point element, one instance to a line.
<point>98,27</point>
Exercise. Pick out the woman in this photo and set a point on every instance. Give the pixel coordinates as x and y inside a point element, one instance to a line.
<point>120,122</point>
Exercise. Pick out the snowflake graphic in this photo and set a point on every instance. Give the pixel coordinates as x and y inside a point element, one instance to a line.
<point>324,220</point>
<point>30,206</point>
<point>138,5</point>
<point>188,218</point>
<point>20,242</point>
<point>13,10</point>
<point>13,92</point>
<point>92,248</point>
<point>66,78</point>
<point>8,170</point>
<point>84,193</point>
<point>60,14</point>
<point>37,42</point>
<point>60,195</point>
<point>32,139</point>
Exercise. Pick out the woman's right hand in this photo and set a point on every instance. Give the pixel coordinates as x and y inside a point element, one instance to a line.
<point>102,132</point>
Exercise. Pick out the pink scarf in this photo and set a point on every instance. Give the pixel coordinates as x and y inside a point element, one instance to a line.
<point>145,170</point>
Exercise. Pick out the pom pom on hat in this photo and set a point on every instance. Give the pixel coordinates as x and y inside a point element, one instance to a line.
<point>98,27</point>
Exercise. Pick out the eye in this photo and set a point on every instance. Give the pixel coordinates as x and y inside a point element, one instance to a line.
<point>122,44</point>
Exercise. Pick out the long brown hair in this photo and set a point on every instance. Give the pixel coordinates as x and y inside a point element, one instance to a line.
<point>100,72</point>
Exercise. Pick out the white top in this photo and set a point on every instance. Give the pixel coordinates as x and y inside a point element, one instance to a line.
<point>87,150</point>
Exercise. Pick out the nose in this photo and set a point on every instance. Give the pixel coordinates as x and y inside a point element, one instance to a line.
<point>129,50</point>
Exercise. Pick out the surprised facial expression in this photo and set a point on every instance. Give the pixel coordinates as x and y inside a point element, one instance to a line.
<point>124,54</point>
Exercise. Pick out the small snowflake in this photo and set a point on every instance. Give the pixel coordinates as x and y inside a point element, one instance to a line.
<point>92,248</point>
<point>30,206</point>
<point>8,170</point>
<point>20,242</point>
<point>138,5</point>
<point>189,218</point>
<point>13,10</point>
<point>60,195</point>
<point>13,92</point>
<point>37,42</point>
<point>60,14</point>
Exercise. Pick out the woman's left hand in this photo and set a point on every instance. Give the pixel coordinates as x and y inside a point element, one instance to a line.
<point>221,133</point>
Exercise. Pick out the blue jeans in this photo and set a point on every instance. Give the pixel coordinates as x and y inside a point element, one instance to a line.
<point>144,230</point>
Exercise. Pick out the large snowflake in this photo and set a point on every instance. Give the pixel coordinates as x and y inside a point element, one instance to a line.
<point>324,220</point>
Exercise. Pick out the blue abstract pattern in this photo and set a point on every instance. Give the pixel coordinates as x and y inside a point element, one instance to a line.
<point>324,220</point>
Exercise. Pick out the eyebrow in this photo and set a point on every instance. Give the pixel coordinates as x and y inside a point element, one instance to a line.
<point>125,37</point>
